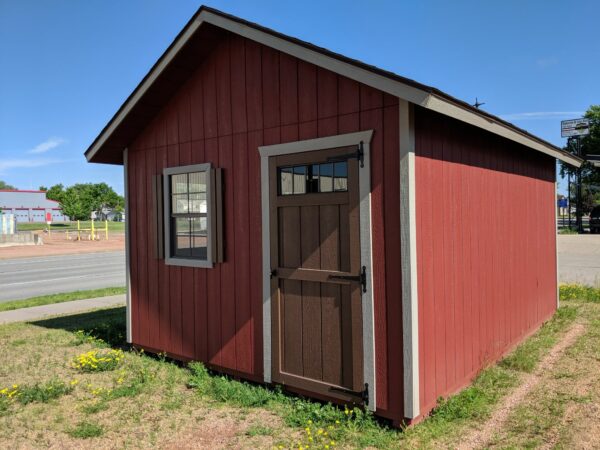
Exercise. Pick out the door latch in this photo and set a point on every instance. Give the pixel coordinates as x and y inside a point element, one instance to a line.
<point>362,278</point>
<point>273,273</point>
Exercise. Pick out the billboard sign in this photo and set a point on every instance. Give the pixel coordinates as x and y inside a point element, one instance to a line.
<point>48,217</point>
<point>575,127</point>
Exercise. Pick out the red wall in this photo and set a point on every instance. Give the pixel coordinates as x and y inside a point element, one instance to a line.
<point>245,95</point>
<point>486,249</point>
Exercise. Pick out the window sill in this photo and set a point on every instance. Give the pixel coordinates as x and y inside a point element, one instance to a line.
<point>188,262</point>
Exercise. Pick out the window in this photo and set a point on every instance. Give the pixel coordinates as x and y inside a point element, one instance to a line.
<point>190,216</point>
<point>313,178</point>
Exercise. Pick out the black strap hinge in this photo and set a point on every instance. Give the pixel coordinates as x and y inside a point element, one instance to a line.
<point>363,395</point>
<point>359,155</point>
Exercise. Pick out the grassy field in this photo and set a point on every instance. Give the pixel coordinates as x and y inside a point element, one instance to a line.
<point>35,226</point>
<point>60,298</point>
<point>66,382</point>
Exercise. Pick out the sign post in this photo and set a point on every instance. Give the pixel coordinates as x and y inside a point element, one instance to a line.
<point>48,220</point>
<point>573,130</point>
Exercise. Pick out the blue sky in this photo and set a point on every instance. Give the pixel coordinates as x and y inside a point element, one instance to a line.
<point>66,66</point>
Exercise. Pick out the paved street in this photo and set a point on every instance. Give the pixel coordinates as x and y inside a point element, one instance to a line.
<point>29,277</point>
<point>579,259</point>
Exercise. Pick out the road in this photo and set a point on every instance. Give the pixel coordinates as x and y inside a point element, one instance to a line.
<point>579,259</point>
<point>30,277</point>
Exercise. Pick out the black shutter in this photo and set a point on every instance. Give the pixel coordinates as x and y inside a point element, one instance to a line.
<point>158,217</point>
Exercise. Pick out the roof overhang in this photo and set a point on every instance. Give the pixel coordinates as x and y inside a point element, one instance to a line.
<point>110,143</point>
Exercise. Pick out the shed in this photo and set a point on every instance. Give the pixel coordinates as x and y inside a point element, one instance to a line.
<point>300,218</point>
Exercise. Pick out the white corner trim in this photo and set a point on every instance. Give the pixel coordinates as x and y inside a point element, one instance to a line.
<point>127,249</point>
<point>556,240</point>
<point>266,268</point>
<point>408,251</point>
<point>364,181</point>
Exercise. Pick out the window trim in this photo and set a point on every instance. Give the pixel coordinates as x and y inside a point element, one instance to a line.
<point>210,215</point>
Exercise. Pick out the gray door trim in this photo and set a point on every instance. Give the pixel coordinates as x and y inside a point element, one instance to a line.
<point>364,181</point>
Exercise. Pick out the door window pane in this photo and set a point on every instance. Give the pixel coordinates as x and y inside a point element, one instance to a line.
<point>326,177</point>
<point>340,173</point>
<point>300,180</point>
<point>286,181</point>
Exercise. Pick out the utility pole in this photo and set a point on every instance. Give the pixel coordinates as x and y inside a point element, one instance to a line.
<point>569,199</point>
<point>579,217</point>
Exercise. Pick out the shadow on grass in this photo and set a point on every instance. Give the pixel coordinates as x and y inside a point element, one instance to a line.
<point>105,324</point>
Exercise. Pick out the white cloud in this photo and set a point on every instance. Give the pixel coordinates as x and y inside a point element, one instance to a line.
<point>543,63</point>
<point>48,144</point>
<point>542,115</point>
<point>7,164</point>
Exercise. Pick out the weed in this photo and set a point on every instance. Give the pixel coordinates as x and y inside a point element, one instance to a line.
<point>223,389</point>
<point>18,342</point>
<point>579,292</point>
<point>568,230</point>
<point>94,407</point>
<point>85,430</point>
<point>259,430</point>
<point>41,393</point>
<point>98,360</point>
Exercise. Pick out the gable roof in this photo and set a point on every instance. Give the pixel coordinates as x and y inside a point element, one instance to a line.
<point>199,36</point>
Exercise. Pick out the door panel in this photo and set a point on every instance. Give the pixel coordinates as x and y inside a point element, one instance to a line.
<point>317,320</point>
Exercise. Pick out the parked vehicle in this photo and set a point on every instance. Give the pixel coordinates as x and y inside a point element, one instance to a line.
<point>595,220</point>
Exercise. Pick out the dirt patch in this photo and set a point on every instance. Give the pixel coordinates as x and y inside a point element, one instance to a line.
<point>57,243</point>
<point>224,430</point>
<point>481,437</point>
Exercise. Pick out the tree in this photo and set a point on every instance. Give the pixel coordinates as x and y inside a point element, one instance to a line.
<point>55,192</point>
<point>5,187</point>
<point>590,175</point>
<point>80,200</point>
<point>42,188</point>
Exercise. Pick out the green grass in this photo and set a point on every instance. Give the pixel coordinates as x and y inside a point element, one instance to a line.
<point>359,428</point>
<point>85,430</point>
<point>579,292</point>
<point>526,355</point>
<point>567,230</point>
<point>60,298</point>
<point>157,383</point>
<point>42,393</point>
<point>36,226</point>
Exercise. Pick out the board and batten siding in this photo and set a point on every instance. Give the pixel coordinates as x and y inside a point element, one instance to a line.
<point>242,96</point>
<point>485,249</point>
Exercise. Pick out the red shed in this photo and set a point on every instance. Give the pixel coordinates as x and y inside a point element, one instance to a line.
<point>298,217</point>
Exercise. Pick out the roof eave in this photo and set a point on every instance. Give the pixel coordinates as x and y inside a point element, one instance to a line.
<point>390,83</point>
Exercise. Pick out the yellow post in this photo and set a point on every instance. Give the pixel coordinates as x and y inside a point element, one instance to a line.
<point>106,229</point>
<point>78,231</point>
<point>92,237</point>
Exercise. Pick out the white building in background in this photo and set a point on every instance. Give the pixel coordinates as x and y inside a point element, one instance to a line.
<point>30,206</point>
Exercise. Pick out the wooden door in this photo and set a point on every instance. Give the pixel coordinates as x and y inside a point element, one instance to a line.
<point>317,279</point>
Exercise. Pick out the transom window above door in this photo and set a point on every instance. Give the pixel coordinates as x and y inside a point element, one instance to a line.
<point>313,178</point>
